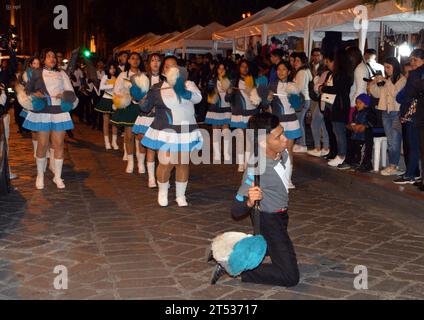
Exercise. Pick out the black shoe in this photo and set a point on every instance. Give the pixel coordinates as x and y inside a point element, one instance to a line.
<point>217,274</point>
<point>402,180</point>
<point>330,157</point>
<point>344,166</point>
<point>364,169</point>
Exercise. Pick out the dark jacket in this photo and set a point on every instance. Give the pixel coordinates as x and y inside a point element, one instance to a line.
<point>413,90</point>
<point>341,88</point>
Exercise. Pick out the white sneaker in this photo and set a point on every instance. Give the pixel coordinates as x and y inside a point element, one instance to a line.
<point>241,168</point>
<point>152,184</point>
<point>163,194</point>
<point>299,149</point>
<point>325,152</point>
<point>291,186</point>
<point>59,183</point>
<point>141,167</point>
<point>182,202</point>
<point>336,161</point>
<point>315,153</point>
<point>115,146</point>
<point>391,171</point>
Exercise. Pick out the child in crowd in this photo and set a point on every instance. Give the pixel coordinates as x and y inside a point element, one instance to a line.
<point>363,120</point>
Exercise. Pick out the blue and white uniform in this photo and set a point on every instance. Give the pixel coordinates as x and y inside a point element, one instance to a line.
<point>242,108</point>
<point>50,113</point>
<point>219,114</point>
<point>174,128</point>
<point>281,107</point>
<point>26,76</point>
<point>145,120</point>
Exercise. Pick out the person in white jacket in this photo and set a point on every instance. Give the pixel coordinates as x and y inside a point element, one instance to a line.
<point>302,79</point>
<point>386,89</point>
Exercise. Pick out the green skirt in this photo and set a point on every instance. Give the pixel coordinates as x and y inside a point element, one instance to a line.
<point>105,106</point>
<point>126,117</point>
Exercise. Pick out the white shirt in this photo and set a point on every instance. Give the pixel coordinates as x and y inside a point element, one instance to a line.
<point>302,79</point>
<point>56,83</point>
<point>78,75</point>
<point>107,86</point>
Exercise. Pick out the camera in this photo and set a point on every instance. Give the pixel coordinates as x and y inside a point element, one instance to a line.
<point>377,73</point>
<point>9,39</point>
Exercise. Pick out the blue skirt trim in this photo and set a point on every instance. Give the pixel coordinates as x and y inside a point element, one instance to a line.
<point>48,126</point>
<point>168,147</point>
<point>137,129</point>
<point>216,122</point>
<point>23,113</point>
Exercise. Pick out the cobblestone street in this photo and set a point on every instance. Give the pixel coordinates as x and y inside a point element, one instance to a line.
<point>108,230</point>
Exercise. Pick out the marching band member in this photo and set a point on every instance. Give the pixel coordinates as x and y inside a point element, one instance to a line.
<point>244,104</point>
<point>52,97</point>
<point>126,105</point>
<point>144,121</point>
<point>219,114</point>
<point>174,131</point>
<point>283,98</point>
<point>105,105</point>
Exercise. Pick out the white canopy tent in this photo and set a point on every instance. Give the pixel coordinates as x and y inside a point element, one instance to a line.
<point>126,43</point>
<point>132,46</point>
<point>341,17</point>
<point>227,34</point>
<point>260,25</point>
<point>201,41</point>
<point>164,37</point>
<point>142,45</point>
<point>171,43</point>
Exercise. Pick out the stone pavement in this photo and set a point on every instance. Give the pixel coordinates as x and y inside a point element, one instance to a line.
<point>107,229</point>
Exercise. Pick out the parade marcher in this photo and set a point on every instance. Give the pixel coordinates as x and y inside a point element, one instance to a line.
<point>273,196</point>
<point>126,105</point>
<point>302,79</point>
<point>52,98</point>
<point>276,57</point>
<point>242,96</point>
<point>219,114</point>
<point>143,123</point>
<point>105,105</point>
<point>174,132</point>
<point>123,60</point>
<point>282,94</point>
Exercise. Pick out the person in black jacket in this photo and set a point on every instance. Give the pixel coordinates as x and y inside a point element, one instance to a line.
<point>410,120</point>
<point>339,92</point>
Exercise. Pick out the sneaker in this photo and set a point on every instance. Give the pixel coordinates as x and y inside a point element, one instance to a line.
<point>325,152</point>
<point>391,171</point>
<point>344,166</point>
<point>336,161</point>
<point>315,153</point>
<point>404,180</point>
<point>299,149</point>
<point>241,168</point>
<point>291,186</point>
<point>59,183</point>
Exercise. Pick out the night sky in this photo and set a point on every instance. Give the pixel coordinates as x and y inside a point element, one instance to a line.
<point>123,20</point>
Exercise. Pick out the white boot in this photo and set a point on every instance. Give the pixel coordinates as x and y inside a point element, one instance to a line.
<point>181,188</point>
<point>107,143</point>
<point>151,173</point>
<point>58,165</point>
<point>125,158</point>
<point>130,165</point>
<point>52,166</point>
<point>163,194</point>
<point>35,145</point>
<point>227,144</point>
<point>41,163</point>
<point>115,142</point>
<point>216,146</point>
<point>141,158</point>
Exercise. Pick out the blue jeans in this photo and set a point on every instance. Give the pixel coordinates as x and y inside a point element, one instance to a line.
<point>318,126</point>
<point>412,139</point>
<point>393,130</point>
<point>339,129</point>
<point>301,117</point>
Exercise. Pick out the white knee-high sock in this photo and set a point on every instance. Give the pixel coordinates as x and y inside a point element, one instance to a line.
<point>58,166</point>
<point>35,145</point>
<point>227,143</point>
<point>151,170</point>
<point>181,188</point>
<point>240,141</point>
<point>163,194</point>
<point>216,136</point>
